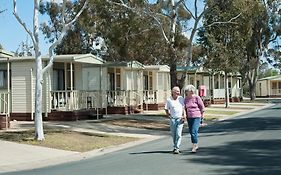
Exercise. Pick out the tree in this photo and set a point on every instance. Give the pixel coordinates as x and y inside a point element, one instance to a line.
<point>34,35</point>
<point>180,16</point>
<point>225,43</point>
<point>274,52</point>
<point>24,49</point>
<point>126,37</point>
<point>75,40</point>
<point>265,30</point>
<point>265,71</point>
<point>261,26</point>
<point>170,17</point>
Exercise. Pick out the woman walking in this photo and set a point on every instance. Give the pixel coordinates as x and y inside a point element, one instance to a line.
<point>194,107</point>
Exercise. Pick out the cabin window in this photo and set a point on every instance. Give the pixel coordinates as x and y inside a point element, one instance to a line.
<point>58,79</point>
<point>166,81</point>
<point>135,80</point>
<point>191,80</point>
<point>222,82</point>
<point>160,81</point>
<point>3,79</point>
<point>111,81</point>
<point>114,79</point>
<point>229,84</point>
<point>274,85</point>
<point>148,80</point>
<point>239,82</point>
<point>118,79</point>
<point>217,85</point>
<point>118,82</point>
<point>69,77</point>
<point>145,79</point>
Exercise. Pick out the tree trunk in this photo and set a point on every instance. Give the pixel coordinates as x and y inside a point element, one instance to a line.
<point>173,74</point>
<point>252,77</point>
<point>226,90</point>
<point>39,132</point>
<point>252,91</point>
<point>252,80</point>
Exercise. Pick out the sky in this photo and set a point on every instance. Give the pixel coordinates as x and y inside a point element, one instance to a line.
<point>12,33</point>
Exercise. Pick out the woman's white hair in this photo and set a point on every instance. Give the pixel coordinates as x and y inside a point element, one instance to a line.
<point>189,88</point>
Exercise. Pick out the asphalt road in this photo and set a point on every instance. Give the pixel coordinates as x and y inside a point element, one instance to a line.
<point>246,145</point>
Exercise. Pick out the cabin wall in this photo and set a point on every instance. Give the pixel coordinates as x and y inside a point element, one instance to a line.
<point>92,78</point>
<point>23,86</point>
<point>262,88</point>
<point>78,77</point>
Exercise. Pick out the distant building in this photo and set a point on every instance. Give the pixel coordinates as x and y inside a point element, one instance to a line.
<point>213,82</point>
<point>269,87</point>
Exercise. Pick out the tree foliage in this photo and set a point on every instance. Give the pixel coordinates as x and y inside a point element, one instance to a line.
<point>245,41</point>
<point>126,34</point>
<point>266,71</point>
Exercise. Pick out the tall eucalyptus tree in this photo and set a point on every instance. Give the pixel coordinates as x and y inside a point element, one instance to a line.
<point>225,43</point>
<point>266,29</point>
<point>40,70</point>
<point>125,34</point>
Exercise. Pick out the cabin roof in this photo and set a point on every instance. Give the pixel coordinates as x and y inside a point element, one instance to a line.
<point>81,58</point>
<point>277,77</point>
<point>161,68</point>
<point>125,64</point>
<point>5,54</point>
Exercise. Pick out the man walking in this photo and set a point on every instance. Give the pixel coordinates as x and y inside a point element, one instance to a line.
<point>174,109</point>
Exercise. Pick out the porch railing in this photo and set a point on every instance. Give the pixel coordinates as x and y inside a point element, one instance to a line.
<point>124,98</point>
<point>4,96</point>
<point>275,92</point>
<point>4,108</point>
<point>78,99</point>
<point>74,100</point>
<point>150,96</point>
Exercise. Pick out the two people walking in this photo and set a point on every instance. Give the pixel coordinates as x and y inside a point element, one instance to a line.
<point>179,109</point>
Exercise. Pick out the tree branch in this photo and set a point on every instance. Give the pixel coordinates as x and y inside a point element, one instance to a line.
<point>1,11</point>
<point>226,22</point>
<point>22,23</point>
<point>64,30</point>
<point>159,24</point>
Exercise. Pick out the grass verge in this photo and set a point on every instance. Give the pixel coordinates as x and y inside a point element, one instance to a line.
<point>66,140</point>
<point>147,124</point>
<point>220,112</point>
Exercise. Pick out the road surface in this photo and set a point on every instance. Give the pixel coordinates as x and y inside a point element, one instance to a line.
<point>245,145</point>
